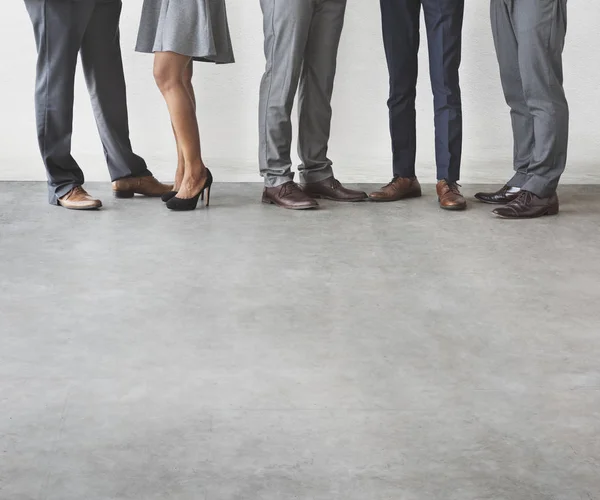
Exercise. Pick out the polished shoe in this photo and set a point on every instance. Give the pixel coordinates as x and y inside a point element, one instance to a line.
<point>332,189</point>
<point>449,196</point>
<point>290,196</point>
<point>501,197</point>
<point>399,188</point>
<point>79,199</point>
<point>528,206</point>
<point>187,204</point>
<point>167,196</point>
<point>127,187</point>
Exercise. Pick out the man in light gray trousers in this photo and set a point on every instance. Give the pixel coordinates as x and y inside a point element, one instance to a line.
<point>63,29</point>
<point>301,45</point>
<point>529,36</point>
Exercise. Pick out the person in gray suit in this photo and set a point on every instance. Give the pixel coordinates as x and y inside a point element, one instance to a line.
<point>63,30</point>
<point>530,36</point>
<point>301,45</point>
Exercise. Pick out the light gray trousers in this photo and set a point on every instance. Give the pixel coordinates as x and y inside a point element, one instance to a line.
<point>301,44</point>
<point>63,29</point>
<point>529,36</point>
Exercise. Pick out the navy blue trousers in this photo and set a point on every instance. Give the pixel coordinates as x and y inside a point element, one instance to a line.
<point>444,20</point>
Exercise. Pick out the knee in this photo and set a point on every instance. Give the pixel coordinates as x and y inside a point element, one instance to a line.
<point>187,82</point>
<point>188,75</point>
<point>165,78</point>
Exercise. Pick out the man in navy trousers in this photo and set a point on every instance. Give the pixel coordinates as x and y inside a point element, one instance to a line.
<point>444,20</point>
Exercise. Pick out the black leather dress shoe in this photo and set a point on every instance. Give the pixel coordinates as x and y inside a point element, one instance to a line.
<point>500,197</point>
<point>528,206</point>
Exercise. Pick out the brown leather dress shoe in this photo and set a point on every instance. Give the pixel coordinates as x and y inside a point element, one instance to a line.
<point>529,206</point>
<point>399,188</point>
<point>146,186</point>
<point>500,197</point>
<point>288,195</point>
<point>449,196</point>
<point>332,189</point>
<point>79,199</point>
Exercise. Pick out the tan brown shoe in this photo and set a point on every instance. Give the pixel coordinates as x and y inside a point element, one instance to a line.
<point>79,199</point>
<point>449,196</point>
<point>399,188</point>
<point>146,186</point>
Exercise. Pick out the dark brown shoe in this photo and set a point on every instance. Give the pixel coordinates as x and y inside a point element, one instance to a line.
<point>79,199</point>
<point>332,189</point>
<point>500,197</point>
<point>288,195</point>
<point>529,206</point>
<point>449,196</point>
<point>399,188</point>
<point>146,186</point>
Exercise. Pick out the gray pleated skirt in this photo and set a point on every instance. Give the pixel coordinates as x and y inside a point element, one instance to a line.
<point>195,28</point>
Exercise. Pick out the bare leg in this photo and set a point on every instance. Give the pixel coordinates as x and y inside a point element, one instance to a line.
<point>187,80</point>
<point>180,163</point>
<point>171,71</point>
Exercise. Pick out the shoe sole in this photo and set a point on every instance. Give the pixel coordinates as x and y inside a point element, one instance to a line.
<point>545,214</point>
<point>349,200</point>
<point>269,202</point>
<point>123,194</point>
<point>458,208</point>
<point>131,194</point>
<point>390,200</point>
<point>81,209</point>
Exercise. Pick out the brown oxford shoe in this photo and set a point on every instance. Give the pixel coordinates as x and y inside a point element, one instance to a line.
<point>79,199</point>
<point>332,189</point>
<point>399,188</point>
<point>449,196</point>
<point>127,187</point>
<point>290,196</point>
<point>529,206</point>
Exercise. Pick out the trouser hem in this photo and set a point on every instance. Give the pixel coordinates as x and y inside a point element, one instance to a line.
<point>309,176</point>
<point>145,173</point>
<point>518,180</point>
<point>271,181</point>
<point>59,191</point>
<point>540,186</point>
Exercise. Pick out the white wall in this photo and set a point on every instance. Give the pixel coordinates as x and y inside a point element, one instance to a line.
<point>227,97</point>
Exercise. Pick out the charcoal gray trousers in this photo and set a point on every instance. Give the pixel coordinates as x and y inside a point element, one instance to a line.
<point>529,36</point>
<point>63,29</point>
<point>301,45</point>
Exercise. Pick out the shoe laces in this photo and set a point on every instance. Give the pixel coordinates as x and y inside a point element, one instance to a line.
<point>523,198</point>
<point>391,183</point>
<point>288,188</point>
<point>454,187</point>
<point>395,179</point>
<point>79,190</point>
<point>335,184</point>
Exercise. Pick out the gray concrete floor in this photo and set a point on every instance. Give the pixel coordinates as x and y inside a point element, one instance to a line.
<point>360,352</point>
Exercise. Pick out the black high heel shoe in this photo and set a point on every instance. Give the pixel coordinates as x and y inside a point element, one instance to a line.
<point>167,196</point>
<point>181,204</point>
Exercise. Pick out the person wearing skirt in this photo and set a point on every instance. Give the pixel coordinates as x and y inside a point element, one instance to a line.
<point>179,33</point>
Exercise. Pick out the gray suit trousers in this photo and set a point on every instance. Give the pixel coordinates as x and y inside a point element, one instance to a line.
<point>529,36</point>
<point>63,29</point>
<point>301,45</point>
